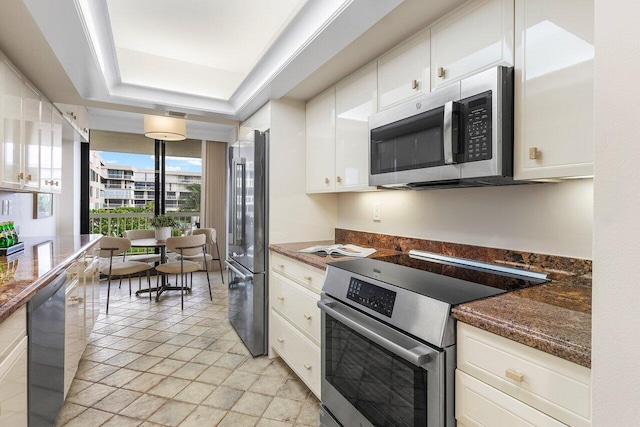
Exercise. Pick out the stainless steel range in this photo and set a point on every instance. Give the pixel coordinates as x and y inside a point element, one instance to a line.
<point>388,344</point>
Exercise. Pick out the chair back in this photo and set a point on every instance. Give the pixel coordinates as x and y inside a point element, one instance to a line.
<point>175,243</point>
<point>209,232</point>
<point>120,244</point>
<point>140,234</point>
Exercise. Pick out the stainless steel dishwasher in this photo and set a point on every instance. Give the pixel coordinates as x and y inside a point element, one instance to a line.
<point>45,329</point>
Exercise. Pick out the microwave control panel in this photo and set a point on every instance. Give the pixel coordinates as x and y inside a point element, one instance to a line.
<point>476,120</point>
<point>371,296</point>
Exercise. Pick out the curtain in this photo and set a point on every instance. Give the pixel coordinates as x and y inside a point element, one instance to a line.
<point>213,195</point>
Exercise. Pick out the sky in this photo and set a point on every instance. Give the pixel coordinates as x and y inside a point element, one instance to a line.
<point>146,161</point>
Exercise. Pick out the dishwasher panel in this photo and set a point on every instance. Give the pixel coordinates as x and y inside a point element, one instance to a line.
<point>45,330</point>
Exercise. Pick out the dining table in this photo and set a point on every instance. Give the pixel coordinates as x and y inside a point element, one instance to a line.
<point>162,246</point>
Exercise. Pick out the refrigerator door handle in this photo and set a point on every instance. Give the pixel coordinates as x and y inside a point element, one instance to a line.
<point>238,272</point>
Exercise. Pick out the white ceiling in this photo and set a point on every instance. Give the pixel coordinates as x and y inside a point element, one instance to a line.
<point>216,43</point>
<point>150,56</point>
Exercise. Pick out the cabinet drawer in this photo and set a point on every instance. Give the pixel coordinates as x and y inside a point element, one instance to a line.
<point>297,304</point>
<point>13,387</point>
<point>479,405</point>
<point>304,274</point>
<point>12,330</point>
<point>550,384</point>
<point>302,356</point>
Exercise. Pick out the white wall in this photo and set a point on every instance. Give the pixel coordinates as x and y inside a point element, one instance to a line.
<point>23,215</point>
<point>294,216</point>
<point>68,218</point>
<point>552,219</point>
<point>616,291</point>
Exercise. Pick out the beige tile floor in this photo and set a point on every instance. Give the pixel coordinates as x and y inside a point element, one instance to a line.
<point>150,364</point>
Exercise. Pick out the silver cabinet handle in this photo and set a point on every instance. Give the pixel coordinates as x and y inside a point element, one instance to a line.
<point>407,348</point>
<point>440,72</point>
<point>414,84</point>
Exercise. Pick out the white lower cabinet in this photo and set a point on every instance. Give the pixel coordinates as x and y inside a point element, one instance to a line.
<point>500,379</point>
<point>81,311</point>
<point>480,405</point>
<point>13,370</point>
<point>13,387</point>
<point>294,317</point>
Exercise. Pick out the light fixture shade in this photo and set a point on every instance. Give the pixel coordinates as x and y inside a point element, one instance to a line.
<point>165,128</point>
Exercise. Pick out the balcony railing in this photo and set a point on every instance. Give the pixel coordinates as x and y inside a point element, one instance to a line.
<point>115,224</point>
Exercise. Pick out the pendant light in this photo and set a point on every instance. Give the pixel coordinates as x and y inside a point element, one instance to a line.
<point>165,128</point>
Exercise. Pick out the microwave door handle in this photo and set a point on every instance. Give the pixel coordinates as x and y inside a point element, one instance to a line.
<point>410,350</point>
<point>450,135</point>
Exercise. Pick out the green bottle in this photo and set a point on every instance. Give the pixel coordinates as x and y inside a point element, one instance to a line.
<point>7,233</point>
<point>14,233</point>
<point>3,237</point>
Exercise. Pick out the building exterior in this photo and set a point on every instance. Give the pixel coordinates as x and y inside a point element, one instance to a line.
<point>114,186</point>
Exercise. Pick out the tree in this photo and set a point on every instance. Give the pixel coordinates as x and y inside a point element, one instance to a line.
<point>191,201</point>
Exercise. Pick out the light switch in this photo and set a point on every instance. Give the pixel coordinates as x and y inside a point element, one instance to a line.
<point>376,212</point>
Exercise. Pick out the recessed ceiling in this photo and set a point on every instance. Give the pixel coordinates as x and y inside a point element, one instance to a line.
<point>199,47</point>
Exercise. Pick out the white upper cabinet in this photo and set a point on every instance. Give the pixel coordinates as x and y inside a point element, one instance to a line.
<point>403,73</point>
<point>474,37</point>
<point>31,104</point>
<point>356,100</point>
<point>12,127</point>
<point>320,143</point>
<point>554,103</point>
<point>56,153</point>
<point>46,139</point>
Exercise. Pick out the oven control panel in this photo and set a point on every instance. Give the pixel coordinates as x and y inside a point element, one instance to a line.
<point>371,296</point>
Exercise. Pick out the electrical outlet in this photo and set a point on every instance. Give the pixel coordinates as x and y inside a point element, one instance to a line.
<point>377,216</point>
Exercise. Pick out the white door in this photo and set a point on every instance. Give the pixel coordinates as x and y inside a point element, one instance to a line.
<point>554,89</point>
<point>320,143</point>
<point>56,153</point>
<point>356,100</point>
<point>403,73</point>
<point>46,138</point>
<point>473,38</point>
<point>12,124</point>
<point>31,103</point>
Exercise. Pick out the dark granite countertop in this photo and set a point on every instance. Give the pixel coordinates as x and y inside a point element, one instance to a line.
<point>43,259</point>
<point>554,317</point>
<point>318,261</point>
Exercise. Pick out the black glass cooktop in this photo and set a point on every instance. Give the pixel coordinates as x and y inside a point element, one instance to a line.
<point>445,281</point>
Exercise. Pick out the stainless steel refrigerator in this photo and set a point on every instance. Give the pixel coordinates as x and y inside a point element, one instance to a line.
<point>248,240</point>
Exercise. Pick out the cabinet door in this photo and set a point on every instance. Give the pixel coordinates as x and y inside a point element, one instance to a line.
<point>13,387</point>
<point>31,104</point>
<point>356,100</point>
<point>320,143</point>
<point>46,140</point>
<point>56,153</point>
<point>554,89</point>
<point>12,124</point>
<point>475,37</point>
<point>74,328</point>
<point>403,73</point>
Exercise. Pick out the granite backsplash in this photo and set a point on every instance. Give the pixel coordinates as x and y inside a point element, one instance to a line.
<point>563,269</point>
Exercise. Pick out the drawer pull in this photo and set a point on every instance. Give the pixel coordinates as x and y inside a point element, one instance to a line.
<point>307,316</point>
<point>307,366</point>
<point>280,339</point>
<point>440,72</point>
<point>309,278</point>
<point>280,297</point>
<point>414,84</point>
<point>514,375</point>
<point>281,265</point>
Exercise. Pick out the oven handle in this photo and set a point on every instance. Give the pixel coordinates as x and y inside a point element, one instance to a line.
<point>415,353</point>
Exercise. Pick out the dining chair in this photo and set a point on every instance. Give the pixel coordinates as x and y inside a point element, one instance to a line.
<point>210,233</point>
<point>111,247</point>
<point>186,246</point>
<point>141,234</point>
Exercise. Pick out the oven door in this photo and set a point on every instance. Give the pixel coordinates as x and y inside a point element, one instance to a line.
<point>373,375</point>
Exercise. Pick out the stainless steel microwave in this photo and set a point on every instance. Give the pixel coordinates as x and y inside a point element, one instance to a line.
<point>460,135</point>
